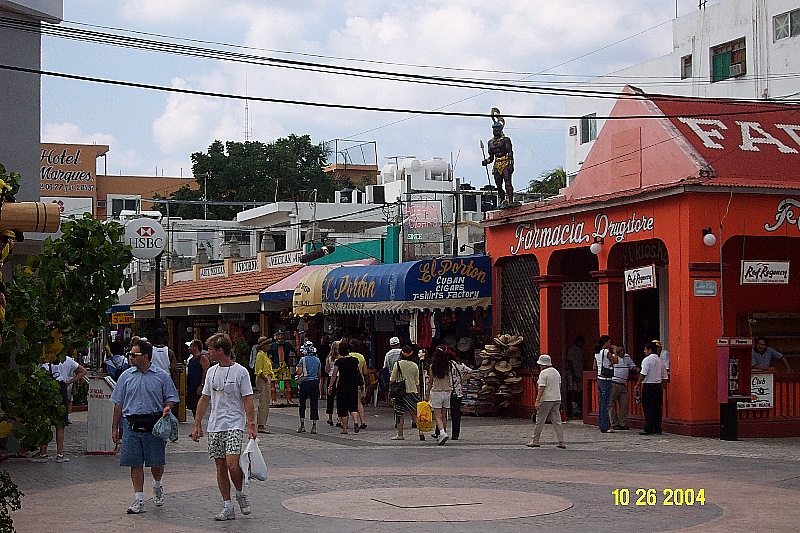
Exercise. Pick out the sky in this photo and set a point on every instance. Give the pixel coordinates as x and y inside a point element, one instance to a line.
<point>152,132</point>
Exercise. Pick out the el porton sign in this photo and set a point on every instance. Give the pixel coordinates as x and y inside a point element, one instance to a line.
<point>146,237</point>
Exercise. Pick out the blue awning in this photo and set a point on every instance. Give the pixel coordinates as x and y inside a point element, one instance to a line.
<point>441,283</point>
<point>118,308</point>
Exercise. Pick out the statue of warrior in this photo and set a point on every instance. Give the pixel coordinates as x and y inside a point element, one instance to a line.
<point>501,153</point>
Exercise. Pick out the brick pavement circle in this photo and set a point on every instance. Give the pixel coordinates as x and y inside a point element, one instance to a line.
<point>427,504</point>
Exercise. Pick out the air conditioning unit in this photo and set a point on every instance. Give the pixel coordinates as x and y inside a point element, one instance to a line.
<point>101,204</point>
<point>573,131</point>
<point>736,69</point>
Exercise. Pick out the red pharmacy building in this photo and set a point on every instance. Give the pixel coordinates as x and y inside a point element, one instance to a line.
<point>683,225</point>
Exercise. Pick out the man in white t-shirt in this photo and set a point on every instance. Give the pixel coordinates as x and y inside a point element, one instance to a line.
<point>548,401</point>
<point>652,374</point>
<point>393,355</point>
<point>228,390</point>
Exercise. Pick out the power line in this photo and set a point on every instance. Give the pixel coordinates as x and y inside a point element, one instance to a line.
<point>771,108</point>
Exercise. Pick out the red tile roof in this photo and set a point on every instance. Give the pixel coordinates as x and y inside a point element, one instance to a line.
<point>220,288</point>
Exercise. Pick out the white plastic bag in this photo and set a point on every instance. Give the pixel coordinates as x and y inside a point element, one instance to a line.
<point>252,463</point>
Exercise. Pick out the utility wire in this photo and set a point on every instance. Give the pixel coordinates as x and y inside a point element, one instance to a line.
<point>752,106</point>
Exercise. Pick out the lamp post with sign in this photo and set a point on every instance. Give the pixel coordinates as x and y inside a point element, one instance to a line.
<point>146,238</point>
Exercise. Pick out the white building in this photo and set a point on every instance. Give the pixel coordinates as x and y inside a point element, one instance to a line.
<point>743,49</point>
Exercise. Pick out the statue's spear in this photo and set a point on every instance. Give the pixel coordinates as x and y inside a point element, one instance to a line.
<point>483,151</point>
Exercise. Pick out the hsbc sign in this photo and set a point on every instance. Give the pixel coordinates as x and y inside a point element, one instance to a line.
<point>145,236</point>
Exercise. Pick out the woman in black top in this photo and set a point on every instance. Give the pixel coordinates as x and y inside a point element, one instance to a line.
<point>346,380</point>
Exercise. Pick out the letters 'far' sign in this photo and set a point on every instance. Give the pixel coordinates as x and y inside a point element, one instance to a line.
<point>146,237</point>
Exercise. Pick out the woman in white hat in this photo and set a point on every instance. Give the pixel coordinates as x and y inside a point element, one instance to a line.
<point>548,401</point>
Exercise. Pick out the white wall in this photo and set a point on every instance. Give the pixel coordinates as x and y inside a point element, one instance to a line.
<point>771,66</point>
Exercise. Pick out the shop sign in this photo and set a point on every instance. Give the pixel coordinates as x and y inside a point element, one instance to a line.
<point>705,287</point>
<point>212,271</point>
<point>71,205</point>
<point>645,251</point>
<point>145,236</point>
<point>762,392</point>
<point>785,214</point>
<point>66,171</point>
<point>449,278</point>
<point>640,278</point>
<point>534,236</point>
<point>286,259</point>
<point>765,273</point>
<point>248,265</point>
<point>232,317</point>
<point>121,318</point>
<point>423,221</point>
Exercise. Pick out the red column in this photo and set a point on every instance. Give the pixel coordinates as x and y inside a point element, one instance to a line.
<point>609,300</point>
<point>551,317</point>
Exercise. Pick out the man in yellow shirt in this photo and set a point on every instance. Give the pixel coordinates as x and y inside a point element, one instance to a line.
<point>264,374</point>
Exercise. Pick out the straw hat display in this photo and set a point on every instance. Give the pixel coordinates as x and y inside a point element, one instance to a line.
<point>497,370</point>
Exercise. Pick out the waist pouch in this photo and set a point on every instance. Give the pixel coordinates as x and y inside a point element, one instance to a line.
<point>143,423</point>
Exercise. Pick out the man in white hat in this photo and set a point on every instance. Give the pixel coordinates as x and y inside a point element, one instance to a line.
<point>548,401</point>
<point>393,355</point>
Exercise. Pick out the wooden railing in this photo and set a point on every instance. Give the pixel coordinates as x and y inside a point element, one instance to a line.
<point>783,419</point>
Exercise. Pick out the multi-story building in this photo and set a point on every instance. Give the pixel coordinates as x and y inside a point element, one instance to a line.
<point>741,49</point>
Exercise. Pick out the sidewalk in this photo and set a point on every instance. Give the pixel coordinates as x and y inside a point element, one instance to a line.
<point>487,481</point>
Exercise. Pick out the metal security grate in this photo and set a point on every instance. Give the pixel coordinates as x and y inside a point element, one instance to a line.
<point>579,295</point>
<point>520,313</point>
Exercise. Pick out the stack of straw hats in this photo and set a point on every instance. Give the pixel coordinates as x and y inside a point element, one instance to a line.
<point>499,366</point>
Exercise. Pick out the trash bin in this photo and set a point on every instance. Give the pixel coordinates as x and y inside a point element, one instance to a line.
<point>101,416</point>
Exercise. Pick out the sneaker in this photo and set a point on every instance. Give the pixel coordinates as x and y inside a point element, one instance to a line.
<point>60,458</point>
<point>363,426</point>
<point>244,503</point>
<point>398,437</point>
<point>421,436</point>
<point>442,438</point>
<point>313,431</point>
<point>137,507</point>
<point>39,458</point>
<point>301,429</point>
<point>226,514</point>
<point>158,496</point>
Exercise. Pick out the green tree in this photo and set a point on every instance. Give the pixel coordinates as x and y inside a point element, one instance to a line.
<point>54,301</point>
<point>288,168</point>
<point>549,182</point>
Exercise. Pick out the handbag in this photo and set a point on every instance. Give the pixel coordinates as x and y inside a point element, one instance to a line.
<point>302,376</point>
<point>252,463</point>
<point>397,389</point>
<point>166,428</point>
<point>606,372</point>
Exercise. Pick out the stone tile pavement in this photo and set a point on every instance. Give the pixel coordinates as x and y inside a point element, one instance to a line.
<point>487,481</point>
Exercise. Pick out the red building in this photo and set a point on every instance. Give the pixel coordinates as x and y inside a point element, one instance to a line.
<point>682,225</point>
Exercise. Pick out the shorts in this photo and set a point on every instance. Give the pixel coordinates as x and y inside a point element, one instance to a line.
<point>224,443</point>
<point>439,400</point>
<point>142,448</point>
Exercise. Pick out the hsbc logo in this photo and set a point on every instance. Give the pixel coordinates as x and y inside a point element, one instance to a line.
<point>146,238</point>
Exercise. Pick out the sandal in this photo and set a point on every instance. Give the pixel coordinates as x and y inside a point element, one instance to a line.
<point>343,432</point>
<point>533,445</point>
<point>562,446</point>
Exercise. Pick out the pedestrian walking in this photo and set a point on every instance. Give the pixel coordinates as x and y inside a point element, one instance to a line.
<point>143,394</point>
<point>309,371</point>
<point>230,395</point>
<point>345,381</point>
<point>264,375</point>
<point>548,402</point>
<point>406,369</point>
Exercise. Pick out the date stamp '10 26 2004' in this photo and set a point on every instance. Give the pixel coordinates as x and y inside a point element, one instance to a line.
<point>652,497</point>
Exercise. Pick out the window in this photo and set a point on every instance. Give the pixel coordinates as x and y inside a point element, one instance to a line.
<point>588,128</point>
<point>728,60</point>
<point>786,25</point>
<point>686,67</point>
<point>120,204</point>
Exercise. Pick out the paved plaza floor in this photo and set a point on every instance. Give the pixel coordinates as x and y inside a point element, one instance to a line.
<point>486,481</point>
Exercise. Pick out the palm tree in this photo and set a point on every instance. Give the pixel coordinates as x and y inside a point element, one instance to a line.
<point>549,182</point>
